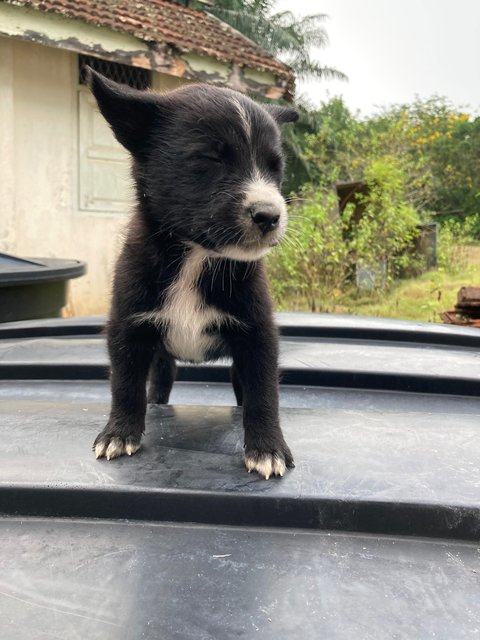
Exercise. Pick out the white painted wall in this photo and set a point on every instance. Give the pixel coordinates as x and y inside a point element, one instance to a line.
<point>39,170</point>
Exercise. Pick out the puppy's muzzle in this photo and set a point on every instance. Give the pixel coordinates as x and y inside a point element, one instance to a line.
<point>265,216</point>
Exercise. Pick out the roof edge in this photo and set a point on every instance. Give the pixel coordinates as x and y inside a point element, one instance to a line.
<point>117,45</point>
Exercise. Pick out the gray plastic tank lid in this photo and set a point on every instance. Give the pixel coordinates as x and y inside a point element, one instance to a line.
<point>19,271</point>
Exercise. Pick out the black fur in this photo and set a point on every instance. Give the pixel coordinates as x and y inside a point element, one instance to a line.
<point>195,151</point>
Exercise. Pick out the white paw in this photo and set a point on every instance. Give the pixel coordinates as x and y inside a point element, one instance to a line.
<point>266,465</point>
<point>115,447</point>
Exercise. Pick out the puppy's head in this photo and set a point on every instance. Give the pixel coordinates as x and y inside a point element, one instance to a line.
<point>208,163</point>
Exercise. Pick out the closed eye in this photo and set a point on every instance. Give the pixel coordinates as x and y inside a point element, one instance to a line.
<point>221,153</point>
<point>274,163</point>
<point>210,156</point>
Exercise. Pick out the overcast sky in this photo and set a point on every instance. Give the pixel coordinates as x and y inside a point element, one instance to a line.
<point>393,50</point>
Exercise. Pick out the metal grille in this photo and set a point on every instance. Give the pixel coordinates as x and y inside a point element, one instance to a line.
<point>122,73</point>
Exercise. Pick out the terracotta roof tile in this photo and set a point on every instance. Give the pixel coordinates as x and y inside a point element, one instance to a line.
<point>163,21</point>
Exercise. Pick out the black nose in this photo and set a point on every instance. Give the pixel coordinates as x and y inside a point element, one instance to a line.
<point>265,217</point>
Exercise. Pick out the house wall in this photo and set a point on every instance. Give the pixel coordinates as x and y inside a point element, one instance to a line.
<point>39,169</point>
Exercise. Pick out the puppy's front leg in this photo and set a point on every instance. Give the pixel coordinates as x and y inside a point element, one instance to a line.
<point>255,357</point>
<point>131,351</point>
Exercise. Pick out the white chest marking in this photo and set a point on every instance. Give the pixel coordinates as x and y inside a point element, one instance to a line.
<point>185,315</point>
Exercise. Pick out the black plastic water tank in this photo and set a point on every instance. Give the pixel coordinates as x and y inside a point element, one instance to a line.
<point>36,287</point>
<point>379,519</point>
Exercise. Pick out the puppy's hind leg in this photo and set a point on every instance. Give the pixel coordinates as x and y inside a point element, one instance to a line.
<point>237,386</point>
<point>161,378</point>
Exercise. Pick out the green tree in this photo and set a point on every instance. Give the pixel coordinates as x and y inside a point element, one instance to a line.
<point>324,250</point>
<point>436,146</point>
<point>282,34</point>
<point>336,151</point>
<point>313,264</point>
<point>387,226</point>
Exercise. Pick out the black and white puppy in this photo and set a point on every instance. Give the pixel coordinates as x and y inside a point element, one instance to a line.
<point>190,283</point>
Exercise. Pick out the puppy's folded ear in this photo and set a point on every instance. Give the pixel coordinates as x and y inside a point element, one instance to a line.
<point>281,114</point>
<point>130,113</point>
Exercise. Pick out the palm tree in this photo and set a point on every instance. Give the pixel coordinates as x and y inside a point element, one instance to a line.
<point>281,34</point>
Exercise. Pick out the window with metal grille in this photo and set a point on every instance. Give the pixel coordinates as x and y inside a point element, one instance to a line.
<point>133,76</point>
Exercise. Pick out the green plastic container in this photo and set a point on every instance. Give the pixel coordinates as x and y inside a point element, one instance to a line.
<point>35,288</point>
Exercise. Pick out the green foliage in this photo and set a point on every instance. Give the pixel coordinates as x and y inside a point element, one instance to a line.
<point>453,243</point>
<point>456,168</point>
<point>336,145</point>
<point>318,260</point>
<point>299,169</point>
<point>387,225</point>
<point>322,147</point>
<point>420,162</point>
<point>281,34</point>
<point>436,146</point>
<point>312,264</point>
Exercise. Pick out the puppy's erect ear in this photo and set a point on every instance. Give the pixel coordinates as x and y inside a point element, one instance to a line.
<point>282,114</point>
<point>130,113</point>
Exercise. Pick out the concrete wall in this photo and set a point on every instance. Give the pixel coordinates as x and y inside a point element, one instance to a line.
<point>39,170</point>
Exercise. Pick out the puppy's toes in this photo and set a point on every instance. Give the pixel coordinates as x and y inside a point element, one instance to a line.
<point>115,449</point>
<point>100,448</point>
<point>111,447</point>
<point>131,446</point>
<point>266,464</point>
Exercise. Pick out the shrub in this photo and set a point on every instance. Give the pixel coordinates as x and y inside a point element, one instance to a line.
<point>319,256</point>
<point>311,267</point>
<point>454,237</point>
<point>383,234</point>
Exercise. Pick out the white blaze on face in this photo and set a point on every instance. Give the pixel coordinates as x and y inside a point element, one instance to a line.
<point>244,117</point>
<point>259,189</point>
